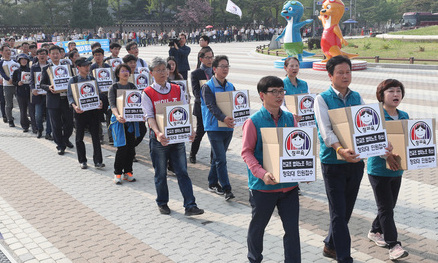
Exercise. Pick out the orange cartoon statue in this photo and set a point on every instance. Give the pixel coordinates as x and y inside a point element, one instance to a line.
<point>332,39</point>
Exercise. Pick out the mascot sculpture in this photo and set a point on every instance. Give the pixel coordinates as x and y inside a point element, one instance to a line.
<point>332,39</point>
<point>293,44</point>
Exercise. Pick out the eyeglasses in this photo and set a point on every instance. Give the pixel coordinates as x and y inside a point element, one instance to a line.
<point>276,92</point>
<point>124,71</point>
<point>224,66</point>
<point>208,57</point>
<point>161,70</point>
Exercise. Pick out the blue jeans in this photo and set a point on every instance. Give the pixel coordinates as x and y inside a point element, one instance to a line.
<point>219,140</point>
<point>342,182</point>
<point>176,154</point>
<point>39,112</point>
<point>263,205</point>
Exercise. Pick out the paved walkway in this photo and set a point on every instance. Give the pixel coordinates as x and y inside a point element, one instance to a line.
<point>52,211</point>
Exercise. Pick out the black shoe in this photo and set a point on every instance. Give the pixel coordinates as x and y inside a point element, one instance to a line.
<point>135,160</point>
<point>5,120</point>
<point>40,134</point>
<point>25,130</point>
<point>193,211</point>
<point>216,189</point>
<point>228,195</point>
<point>99,165</point>
<point>34,131</point>
<point>192,158</point>
<point>84,165</point>
<point>111,142</point>
<point>11,124</point>
<point>49,137</point>
<point>164,209</point>
<point>69,144</point>
<point>328,252</point>
<point>61,151</point>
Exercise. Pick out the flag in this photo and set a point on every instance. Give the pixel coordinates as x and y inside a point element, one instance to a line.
<point>233,8</point>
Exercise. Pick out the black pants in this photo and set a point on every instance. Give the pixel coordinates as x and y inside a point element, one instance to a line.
<point>198,137</point>
<point>386,191</point>
<point>125,154</point>
<point>90,119</point>
<point>61,120</point>
<point>23,104</point>
<point>143,130</point>
<point>2,102</point>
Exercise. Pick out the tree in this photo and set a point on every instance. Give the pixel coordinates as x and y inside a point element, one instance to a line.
<point>194,13</point>
<point>81,14</point>
<point>99,13</point>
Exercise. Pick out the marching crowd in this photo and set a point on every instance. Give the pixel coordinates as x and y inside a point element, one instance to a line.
<point>38,99</point>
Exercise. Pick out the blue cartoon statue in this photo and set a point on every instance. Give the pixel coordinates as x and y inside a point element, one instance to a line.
<point>293,44</point>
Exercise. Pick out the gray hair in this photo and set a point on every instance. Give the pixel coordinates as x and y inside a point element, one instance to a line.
<point>157,61</point>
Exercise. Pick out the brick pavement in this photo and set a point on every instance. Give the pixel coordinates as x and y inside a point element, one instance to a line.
<point>52,211</point>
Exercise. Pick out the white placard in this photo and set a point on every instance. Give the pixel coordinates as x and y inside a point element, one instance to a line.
<point>241,110</point>
<point>104,78</point>
<point>298,161</point>
<point>37,80</point>
<point>142,70</point>
<point>132,110</point>
<point>305,110</point>
<point>115,62</point>
<point>65,61</point>
<point>178,128</point>
<point>421,151</point>
<point>141,81</point>
<point>61,76</point>
<point>369,138</point>
<point>11,66</point>
<point>88,98</point>
<point>25,77</point>
<point>184,88</point>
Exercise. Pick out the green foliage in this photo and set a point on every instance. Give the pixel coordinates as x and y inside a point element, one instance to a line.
<point>367,46</point>
<point>430,30</point>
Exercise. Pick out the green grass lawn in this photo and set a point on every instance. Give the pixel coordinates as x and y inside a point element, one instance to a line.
<point>430,30</point>
<point>370,47</point>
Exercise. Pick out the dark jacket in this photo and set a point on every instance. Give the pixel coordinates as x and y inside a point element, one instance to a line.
<point>181,55</point>
<point>23,90</point>
<point>196,76</point>
<point>35,68</point>
<point>53,100</point>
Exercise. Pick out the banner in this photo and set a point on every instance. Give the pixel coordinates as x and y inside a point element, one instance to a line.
<point>233,8</point>
<point>83,46</point>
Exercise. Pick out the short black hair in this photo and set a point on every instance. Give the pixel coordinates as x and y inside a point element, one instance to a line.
<point>98,50</point>
<point>206,38</point>
<point>72,54</point>
<point>115,45</point>
<point>204,50</point>
<point>24,43</point>
<point>3,47</point>
<point>334,61</point>
<point>42,50</point>
<point>119,67</point>
<point>45,45</point>
<point>217,59</point>
<point>269,81</point>
<point>130,45</point>
<point>55,47</point>
<point>95,45</point>
<point>32,46</point>
<point>128,58</point>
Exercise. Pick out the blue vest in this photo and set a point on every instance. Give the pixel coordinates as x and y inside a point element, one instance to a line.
<point>263,119</point>
<point>326,153</point>
<point>292,90</point>
<point>376,165</point>
<point>209,120</point>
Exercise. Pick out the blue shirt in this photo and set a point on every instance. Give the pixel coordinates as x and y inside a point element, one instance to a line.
<point>290,89</point>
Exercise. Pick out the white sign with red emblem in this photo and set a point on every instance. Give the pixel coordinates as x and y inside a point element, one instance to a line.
<point>37,76</point>
<point>115,62</point>
<point>241,110</point>
<point>25,77</point>
<point>60,75</point>
<point>88,98</point>
<point>178,128</point>
<point>369,137</point>
<point>298,161</point>
<point>141,80</point>
<point>132,111</point>
<point>421,150</point>
<point>305,110</point>
<point>104,78</point>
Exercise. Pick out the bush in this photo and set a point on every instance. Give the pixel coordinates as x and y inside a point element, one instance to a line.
<point>314,43</point>
<point>367,45</point>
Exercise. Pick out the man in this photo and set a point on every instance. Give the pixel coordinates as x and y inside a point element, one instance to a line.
<point>220,137</point>
<point>39,100</point>
<point>71,46</point>
<point>9,89</point>
<point>341,177</point>
<point>265,193</point>
<point>181,52</point>
<point>33,53</point>
<point>132,48</point>
<point>205,72</point>
<point>90,119</point>
<point>25,48</point>
<point>162,91</point>
<point>115,50</point>
<point>204,42</point>
<point>60,113</point>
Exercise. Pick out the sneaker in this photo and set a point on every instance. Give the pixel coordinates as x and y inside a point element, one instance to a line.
<point>99,165</point>
<point>328,252</point>
<point>5,120</point>
<point>11,124</point>
<point>69,144</point>
<point>26,130</point>
<point>397,252</point>
<point>84,165</point>
<point>34,131</point>
<point>193,211</point>
<point>135,160</point>
<point>228,195</point>
<point>216,189</point>
<point>61,151</point>
<point>164,209</point>
<point>118,179</point>
<point>48,137</point>
<point>128,177</point>
<point>111,142</point>
<point>192,158</point>
<point>40,134</point>
<point>377,238</point>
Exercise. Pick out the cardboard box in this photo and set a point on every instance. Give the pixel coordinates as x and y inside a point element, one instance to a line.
<point>184,88</point>
<point>86,95</point>
<point>176,127</point>
<point>25,77</point>
<point>104,78</point>
<point>9,67</point>
<point>114,62</point>
<point>129,104</point>
<point>286,162</point>
<point>365,139</point>
<point>235,104</point>
<point>302,105</point>
<point>401,134</point>
<point>59,77</point>
<point>37,78</point>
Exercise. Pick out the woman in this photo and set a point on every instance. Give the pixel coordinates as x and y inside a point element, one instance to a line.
<point>293,85</point>
<point>124,133</point>
<point>173,69</point>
